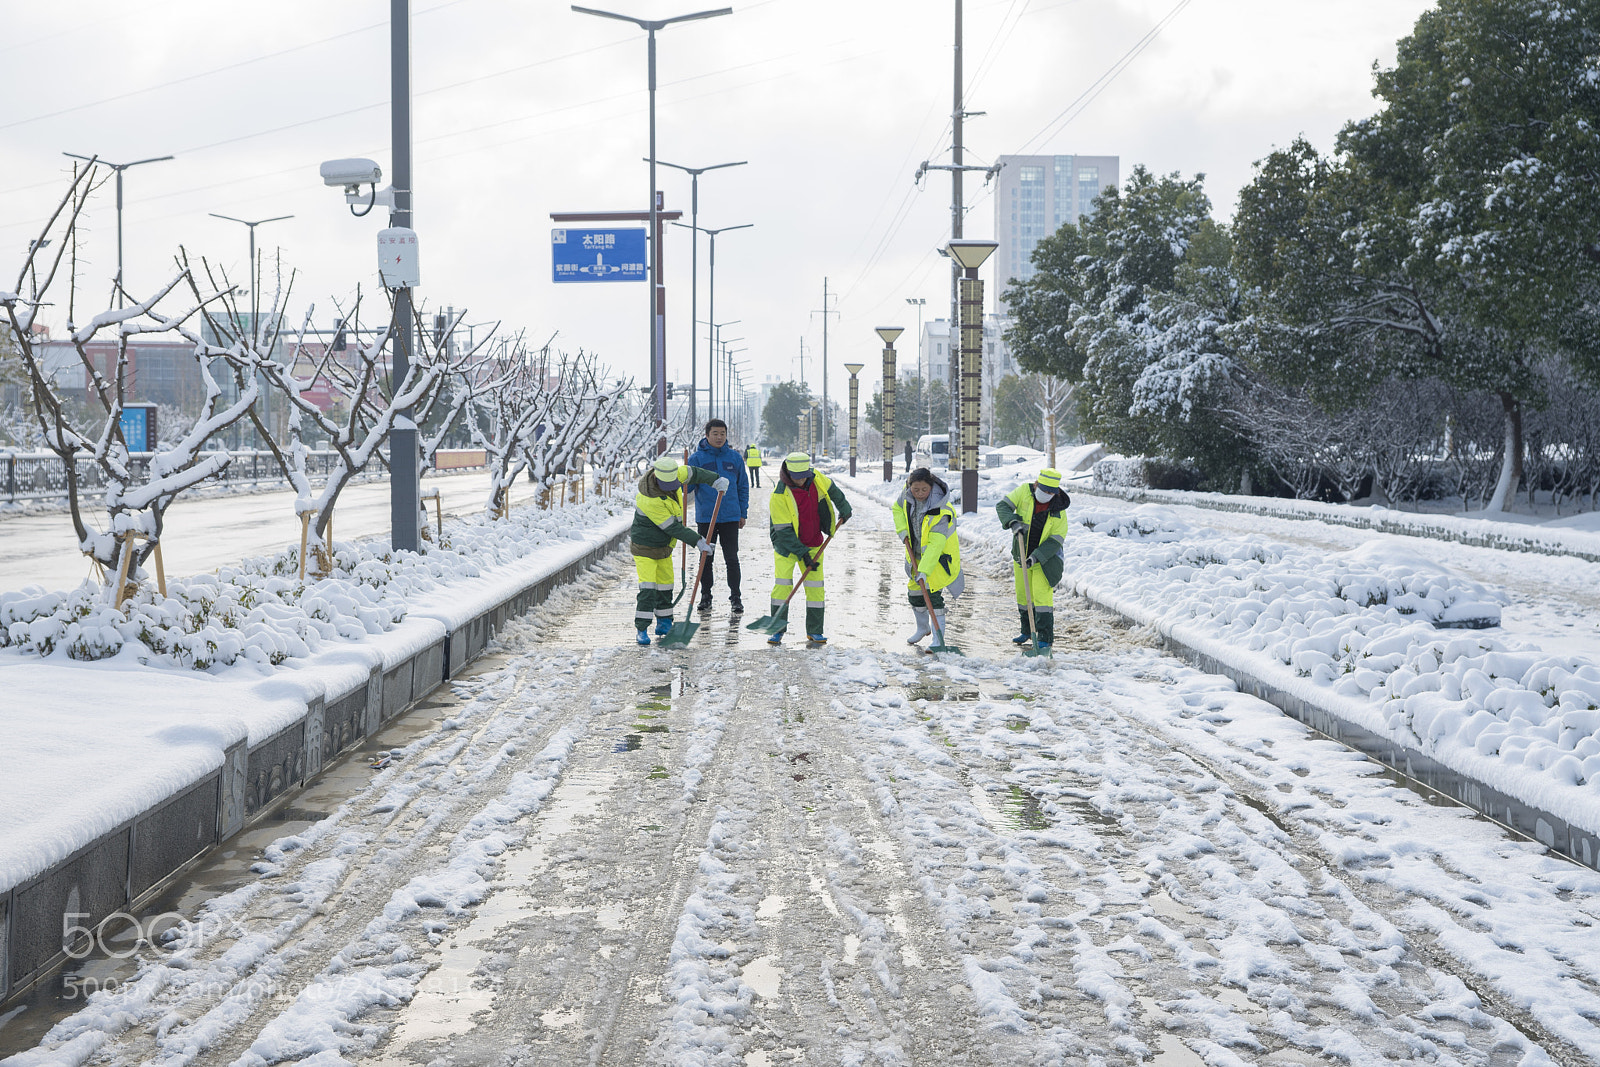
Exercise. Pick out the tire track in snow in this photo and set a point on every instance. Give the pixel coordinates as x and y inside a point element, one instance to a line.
<point>1143,867</point>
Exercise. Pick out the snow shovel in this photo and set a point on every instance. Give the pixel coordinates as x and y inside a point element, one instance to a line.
<point>1027,589</point>
<point>927,604</point>
<point>681,632</point>
<point>778,621</point>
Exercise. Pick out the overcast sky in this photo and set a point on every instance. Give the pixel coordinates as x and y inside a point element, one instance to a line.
<point>523,108</point>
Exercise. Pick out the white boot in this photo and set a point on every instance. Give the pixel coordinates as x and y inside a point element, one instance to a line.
<point>944,627</point>
<point>924,628</point>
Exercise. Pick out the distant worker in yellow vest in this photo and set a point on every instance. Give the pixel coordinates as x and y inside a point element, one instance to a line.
<point>805,509</point>
<point>657,522</point>
<point>1036,514</point>
<point>752,459</point>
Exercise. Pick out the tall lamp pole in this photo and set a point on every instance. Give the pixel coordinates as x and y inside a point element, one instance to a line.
<point>854,369</point>
<point>711,311</point>
<point>255,281</point>
<point>922,385</point>
<point>971,255</point>
<point>694,268</point>
<point>119,168</point>
<point>658,294</point>
<point>889,334</point>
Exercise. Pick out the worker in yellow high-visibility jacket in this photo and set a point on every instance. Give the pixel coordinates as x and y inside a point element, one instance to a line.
<point>926,524</point>
<point>752,459</point>
<point>804,510</point>
<point>1036,513</point>
<point>657,522</point>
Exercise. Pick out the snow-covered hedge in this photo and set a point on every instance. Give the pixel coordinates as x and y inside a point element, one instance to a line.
<point>1145,472</point>
<point>258,612</point>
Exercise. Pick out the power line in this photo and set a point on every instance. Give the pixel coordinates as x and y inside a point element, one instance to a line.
<point>128,94</point>
<point>1100,84</point>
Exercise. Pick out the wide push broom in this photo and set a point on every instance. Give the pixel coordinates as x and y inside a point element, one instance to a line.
<point>1035,649</point>
<point>778,621</point>
<point>681,632</point>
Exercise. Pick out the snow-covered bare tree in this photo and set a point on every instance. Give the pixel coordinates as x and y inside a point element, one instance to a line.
<point>579,402</point>
<point>135,509</point>
<point>367,403</point>
<point>506,401</point>
<point>626,436</point>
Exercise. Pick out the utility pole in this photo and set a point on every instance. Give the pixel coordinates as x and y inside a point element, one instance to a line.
<point>957,167</point>
<point>825,312</point>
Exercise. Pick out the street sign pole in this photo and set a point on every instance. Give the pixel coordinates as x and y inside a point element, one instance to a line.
<point>404,499</point>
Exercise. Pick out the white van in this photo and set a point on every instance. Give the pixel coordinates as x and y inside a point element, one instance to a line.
<point>933,451</point>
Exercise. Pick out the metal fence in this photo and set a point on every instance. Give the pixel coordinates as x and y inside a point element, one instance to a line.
<point>37,476</point>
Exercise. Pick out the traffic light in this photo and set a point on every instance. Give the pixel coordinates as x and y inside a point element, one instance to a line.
<point>439,322</point>
<point>338,336</point>
<point>669,390</point>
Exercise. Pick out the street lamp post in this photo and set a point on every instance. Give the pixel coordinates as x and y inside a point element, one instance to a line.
<point>922,384</point>
<point>694,268</point>
<point>971,255</point>
<point>889,334</point>
<point>658,293</point>
<point>255,281</point>
<point>854,369</point>
<point>711,310</point>
<point>804,429</point>
<point>816,428</point>
<point>119,168</point>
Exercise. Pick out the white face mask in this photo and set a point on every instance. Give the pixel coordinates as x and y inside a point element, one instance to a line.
<point>1043,495</point>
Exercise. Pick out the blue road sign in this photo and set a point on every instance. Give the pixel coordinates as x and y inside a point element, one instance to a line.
<point>598,255</point>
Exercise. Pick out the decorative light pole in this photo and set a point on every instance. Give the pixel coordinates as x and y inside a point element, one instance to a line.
<point>922,385</point>
<point>816,428</point>
<point>971,255</point>
<point>803,433</point>
<point>889,334</point>
<point>855,393</point>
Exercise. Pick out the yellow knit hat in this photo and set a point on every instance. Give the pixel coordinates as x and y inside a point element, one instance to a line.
<point>798,462</point>
<point>1050,479</point>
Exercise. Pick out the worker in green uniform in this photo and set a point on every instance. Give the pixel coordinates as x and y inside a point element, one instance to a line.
<point>1038,511</point>
<point>657,522</point>
<point>752,459</point>
<point>926,524</point>
<point>804,510</point>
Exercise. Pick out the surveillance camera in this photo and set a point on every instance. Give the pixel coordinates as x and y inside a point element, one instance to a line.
<point>351,172</point>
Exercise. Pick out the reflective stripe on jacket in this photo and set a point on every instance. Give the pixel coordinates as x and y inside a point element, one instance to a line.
<point>658,514</point>
<point>752,456</point>
<point>785,516</point>
<point>1020,505</point>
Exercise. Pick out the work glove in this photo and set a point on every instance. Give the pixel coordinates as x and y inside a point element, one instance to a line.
<point>911,572</point>
<point>1037,557</point>
<point>720,485</point>
<point>1015,526</point>
<point>703,546</point>
<point>808,560</point>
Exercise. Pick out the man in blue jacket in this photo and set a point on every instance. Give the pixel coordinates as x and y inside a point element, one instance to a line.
<point>714,454</point>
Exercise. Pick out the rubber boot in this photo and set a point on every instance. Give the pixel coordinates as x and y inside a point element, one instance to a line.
<point>924,627</point>
<point>643,638</point>
<point>663,624</point>
<point>1027,635</point>
<point>1047,629</point>
<point>944,627</point>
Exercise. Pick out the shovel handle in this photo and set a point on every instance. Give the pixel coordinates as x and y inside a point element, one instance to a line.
<point>704,556</point>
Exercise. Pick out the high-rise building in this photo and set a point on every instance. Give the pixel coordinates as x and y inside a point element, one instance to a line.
<point>1035,195</point>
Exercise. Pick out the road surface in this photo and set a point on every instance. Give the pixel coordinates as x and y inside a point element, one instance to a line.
<point>593,853</point>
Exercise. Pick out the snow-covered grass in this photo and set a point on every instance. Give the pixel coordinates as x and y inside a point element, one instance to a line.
<point>1372,635</point>
<point>258,612</point>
